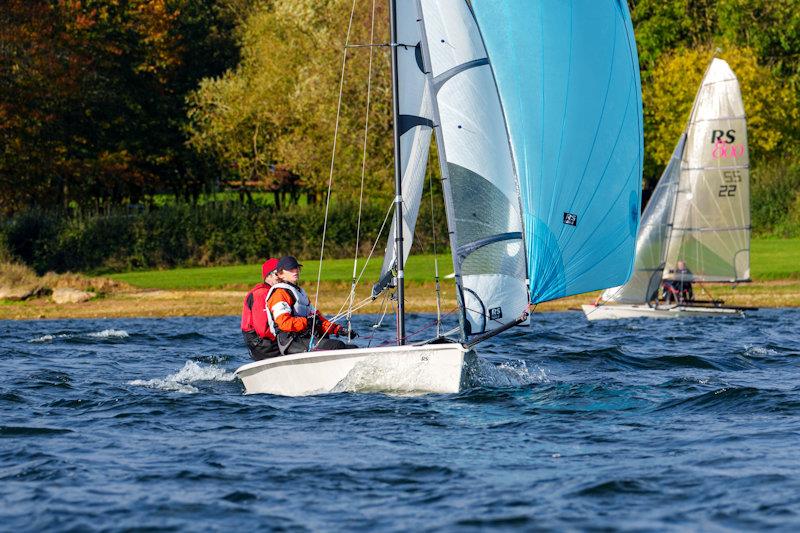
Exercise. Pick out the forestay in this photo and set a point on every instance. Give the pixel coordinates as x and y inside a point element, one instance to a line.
<point>568,77</point>
<point>651,241</point>
<point>415,127</point>
<point>711,225</point>
<point>480,185</point>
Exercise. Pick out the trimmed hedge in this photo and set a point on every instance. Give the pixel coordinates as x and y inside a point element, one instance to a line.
<point>191,235</point>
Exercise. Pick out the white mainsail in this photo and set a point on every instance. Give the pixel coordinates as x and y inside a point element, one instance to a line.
<point>711,225</point>
<point>415,127</point>
<point>480,184</point>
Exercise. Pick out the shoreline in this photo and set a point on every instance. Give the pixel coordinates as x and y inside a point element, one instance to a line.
<point>154,303</point>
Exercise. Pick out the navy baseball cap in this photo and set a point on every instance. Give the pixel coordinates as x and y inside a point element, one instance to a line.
<point>288,262</point>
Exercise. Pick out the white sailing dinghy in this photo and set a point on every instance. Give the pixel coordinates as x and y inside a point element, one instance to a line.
<point>699,211</point>
<point>538,121</point>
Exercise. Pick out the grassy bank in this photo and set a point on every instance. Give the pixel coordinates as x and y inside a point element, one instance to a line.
<point>770,259</point>
<point>419,268</point>
<point>219,290</point>
<point>419,299</point>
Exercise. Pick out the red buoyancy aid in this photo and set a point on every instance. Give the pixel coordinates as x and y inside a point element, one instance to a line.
<point>254,314</point>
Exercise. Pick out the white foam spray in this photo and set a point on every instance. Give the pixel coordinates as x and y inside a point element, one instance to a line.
<point>516,373</point>
<point>392,374</point>
<point>49,338</point>
<point>105,334</point>
<point>110,334</point>
<point>182,380</point>
<point>758,350</point>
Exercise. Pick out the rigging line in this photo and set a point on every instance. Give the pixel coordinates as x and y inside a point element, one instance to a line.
<point>375,244</point>
<point>706,291</point>
<point>330,176</point>
<point>379,323</point>
<point>363,166</point>
<point>435,260</point>
<point>363,303</point>
<point>366,263</point>
<point>430,324</point>
<point>373,45</point>
<point>424,328</point>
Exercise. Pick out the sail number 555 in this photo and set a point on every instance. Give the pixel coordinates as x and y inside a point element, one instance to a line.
<point>731,178</point>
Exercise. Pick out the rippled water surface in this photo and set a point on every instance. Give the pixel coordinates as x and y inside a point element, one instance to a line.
<point>140,423</point>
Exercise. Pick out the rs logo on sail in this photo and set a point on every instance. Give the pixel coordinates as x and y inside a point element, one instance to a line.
<point>723,145</point>
<point>716,136</point>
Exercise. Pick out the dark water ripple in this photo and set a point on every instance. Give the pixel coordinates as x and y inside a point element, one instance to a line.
<point>139,424</point>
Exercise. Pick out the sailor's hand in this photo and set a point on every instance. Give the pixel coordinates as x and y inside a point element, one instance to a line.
<point>349,333</point>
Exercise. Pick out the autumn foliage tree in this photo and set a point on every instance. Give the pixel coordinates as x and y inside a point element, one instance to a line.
<point>280,104</point>
<point>93,96</point>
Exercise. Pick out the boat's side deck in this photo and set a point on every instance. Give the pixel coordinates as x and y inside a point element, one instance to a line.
<point>614,311</point>
<point>426,368</point>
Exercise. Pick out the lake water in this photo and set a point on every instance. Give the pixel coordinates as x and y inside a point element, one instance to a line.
<point>139,423</point>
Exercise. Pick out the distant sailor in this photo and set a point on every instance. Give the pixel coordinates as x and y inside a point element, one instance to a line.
<point>255,323</point>
<point>679,289</point>
<point>291,315</point>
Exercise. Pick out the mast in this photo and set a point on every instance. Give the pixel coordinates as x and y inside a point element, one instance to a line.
<point>398,186</point>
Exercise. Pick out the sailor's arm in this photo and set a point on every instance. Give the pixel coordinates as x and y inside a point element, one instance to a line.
<point>327,326</point>
<point>280,305</point>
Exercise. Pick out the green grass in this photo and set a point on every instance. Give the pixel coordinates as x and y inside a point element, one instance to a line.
<point>418,268</point>
<point>774,259</point>
<point>770,259</point>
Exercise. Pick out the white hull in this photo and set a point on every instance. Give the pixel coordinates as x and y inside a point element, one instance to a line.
<point>438,368</point>
<point>615,312</point>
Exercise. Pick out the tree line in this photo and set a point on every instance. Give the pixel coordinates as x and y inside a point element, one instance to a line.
<point>105,103</point>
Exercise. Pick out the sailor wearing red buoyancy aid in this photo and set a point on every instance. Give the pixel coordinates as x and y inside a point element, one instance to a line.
<point>259,339</point>
<point>291,314</point>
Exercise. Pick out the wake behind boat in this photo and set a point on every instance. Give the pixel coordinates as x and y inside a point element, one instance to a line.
<point>512,92</point>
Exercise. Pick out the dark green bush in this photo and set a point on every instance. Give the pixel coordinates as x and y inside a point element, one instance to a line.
<point>32,238</point>
<point>192,235</point>
<point>774,197</point>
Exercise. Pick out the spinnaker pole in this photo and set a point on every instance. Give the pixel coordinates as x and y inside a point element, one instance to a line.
<point>398,186</point>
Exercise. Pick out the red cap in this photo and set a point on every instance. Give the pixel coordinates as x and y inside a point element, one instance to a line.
<point>268,266</point>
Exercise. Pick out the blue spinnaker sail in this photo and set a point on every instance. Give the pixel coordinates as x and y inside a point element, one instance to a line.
<point>568,77</point>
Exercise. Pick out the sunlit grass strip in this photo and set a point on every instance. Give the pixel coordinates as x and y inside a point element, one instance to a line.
<point>771,259</point>
<point>775,259</point>
<point>419,268</point>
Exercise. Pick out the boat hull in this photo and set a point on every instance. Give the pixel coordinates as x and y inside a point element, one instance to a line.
<point>616,312</point>
<point>436,368</point>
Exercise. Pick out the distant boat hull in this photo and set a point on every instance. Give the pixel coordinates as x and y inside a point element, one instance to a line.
<point>616,312</point>
<point>431,368</point>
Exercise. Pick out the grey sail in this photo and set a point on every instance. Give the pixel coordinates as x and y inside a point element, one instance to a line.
<point>711,224</point>
<point>416,126</point>
<point>652,238</point>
